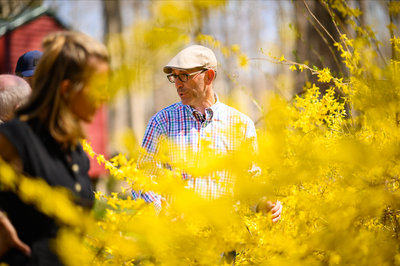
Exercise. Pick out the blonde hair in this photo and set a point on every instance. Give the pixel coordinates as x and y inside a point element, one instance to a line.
<point>65,57</point>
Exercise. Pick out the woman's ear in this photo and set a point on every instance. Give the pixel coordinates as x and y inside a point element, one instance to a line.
<point>65,88</point>
<point>210,76</point>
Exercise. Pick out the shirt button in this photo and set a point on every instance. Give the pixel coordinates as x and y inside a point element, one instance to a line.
<point>78,187</point>
<point>75,168</point>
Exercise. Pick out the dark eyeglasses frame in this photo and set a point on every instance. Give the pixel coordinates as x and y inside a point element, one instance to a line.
<point>183,77</point>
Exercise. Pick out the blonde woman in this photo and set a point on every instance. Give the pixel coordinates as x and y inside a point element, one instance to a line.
<point>42,141</point>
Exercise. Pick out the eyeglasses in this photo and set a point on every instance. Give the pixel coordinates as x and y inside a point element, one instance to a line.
<point>183,77</point>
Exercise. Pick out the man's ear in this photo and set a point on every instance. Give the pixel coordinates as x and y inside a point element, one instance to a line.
<point>210,76</point>
<point>65,88</point>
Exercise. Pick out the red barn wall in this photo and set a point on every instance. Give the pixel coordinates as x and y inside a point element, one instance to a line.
<point>25,38</point>
<point>97,135</point>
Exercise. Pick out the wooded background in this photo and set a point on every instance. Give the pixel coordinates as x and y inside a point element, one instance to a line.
<point>142,39</point>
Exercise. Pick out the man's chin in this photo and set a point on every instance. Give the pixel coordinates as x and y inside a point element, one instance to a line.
<point>185,101</point>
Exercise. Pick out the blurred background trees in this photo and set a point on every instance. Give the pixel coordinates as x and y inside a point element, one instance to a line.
<point>143,36</point>
<point>11,9</point>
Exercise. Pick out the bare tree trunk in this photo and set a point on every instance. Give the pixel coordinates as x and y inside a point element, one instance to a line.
<point>305,44</point>
<point>230,63</point>
<point>325,19</point>
<point>392,21</point>
<point>363,7</point>
<point>256,82</point>
<point>314,43</point>
<point>113,29</point>
<point>120,107</point>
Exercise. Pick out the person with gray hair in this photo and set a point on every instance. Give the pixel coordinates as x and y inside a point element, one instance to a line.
<point>14,92</point>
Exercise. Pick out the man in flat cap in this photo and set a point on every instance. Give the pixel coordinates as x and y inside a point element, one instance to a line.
<point>26,65</point>
<point>198,117</point>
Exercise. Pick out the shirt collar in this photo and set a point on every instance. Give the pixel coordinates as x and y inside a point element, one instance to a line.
<point>210,111</point>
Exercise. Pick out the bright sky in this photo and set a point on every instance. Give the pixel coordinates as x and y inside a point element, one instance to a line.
<point>84,16</point>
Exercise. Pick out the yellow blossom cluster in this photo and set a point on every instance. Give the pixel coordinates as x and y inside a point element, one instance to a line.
<point>332,161</point>
<point>312,112</point>
<point>226,50</point>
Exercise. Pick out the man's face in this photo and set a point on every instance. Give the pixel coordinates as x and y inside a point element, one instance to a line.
<point>29,80</point>
<point>193,91</point>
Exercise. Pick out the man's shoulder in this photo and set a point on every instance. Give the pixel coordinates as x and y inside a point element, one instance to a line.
<point>176,107</point>
<point>172,110</point>
<point>228,111</point>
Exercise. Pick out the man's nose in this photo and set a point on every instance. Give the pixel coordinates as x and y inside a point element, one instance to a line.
<point>178,83</point>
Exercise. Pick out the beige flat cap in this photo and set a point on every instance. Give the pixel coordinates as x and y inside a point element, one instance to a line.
<point>192,57</point>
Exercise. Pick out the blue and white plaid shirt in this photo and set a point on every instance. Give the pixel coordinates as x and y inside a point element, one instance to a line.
<point>189,136</point>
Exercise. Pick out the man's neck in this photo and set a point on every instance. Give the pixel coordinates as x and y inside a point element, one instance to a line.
<point>206,103</point>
